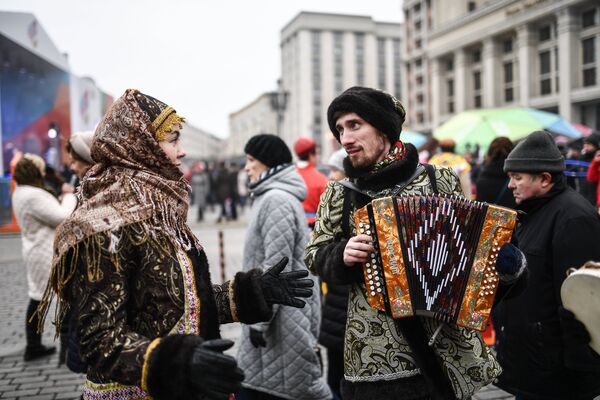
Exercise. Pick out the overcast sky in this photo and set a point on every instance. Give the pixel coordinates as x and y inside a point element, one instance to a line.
<point>204,58</point>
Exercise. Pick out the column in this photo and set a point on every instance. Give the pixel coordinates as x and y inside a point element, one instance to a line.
<point>568,57</point>
<point>460,81</point>
<point>490,77</point>
<point>436,93</point>
<point>526,54</point>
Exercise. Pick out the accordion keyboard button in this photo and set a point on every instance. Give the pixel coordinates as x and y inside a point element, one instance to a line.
<point>378,290</point>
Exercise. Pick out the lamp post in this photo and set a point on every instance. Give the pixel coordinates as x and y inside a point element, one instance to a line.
<point>279,103</point>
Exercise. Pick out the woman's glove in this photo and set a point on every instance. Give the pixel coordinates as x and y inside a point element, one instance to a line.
<point>213,373</point>
<point>285,288</point>
<point>257,338</point>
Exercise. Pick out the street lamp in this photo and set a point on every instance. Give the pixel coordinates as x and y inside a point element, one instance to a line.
<point>279,103</point>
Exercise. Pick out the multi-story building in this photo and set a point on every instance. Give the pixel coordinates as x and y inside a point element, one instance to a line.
<point>480,54</point>
<point>200,145</point>
<point>324,54</point>
<point>260,116</point>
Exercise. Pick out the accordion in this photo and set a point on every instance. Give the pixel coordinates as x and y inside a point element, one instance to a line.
<point>435,256</point>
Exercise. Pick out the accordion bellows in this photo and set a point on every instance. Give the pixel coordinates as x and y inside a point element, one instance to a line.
<point>434,256</point>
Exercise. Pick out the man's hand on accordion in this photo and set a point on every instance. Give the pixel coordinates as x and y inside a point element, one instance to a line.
<point>358,250</point>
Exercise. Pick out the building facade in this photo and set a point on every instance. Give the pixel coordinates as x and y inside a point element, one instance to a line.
<point>324,54</point>
<point>200,145</point>
<point>542,54</point>
<point>260,116</point>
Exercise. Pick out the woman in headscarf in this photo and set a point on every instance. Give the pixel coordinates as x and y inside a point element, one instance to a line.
<point>38,213</point>
<point>279,356</point>
<point>137,277</point>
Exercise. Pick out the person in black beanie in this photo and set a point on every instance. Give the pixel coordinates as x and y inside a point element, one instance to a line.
<point>278,356</point>
<point>386,358</point>
<point>537,338</point>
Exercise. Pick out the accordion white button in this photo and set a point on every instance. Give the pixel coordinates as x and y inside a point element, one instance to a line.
<point>378,284</point>
<point>376,277</point>
<point>373,293</point>
<point>367,226</point>
<point>378,290</point>
<point>368,270</point>
<point>368,264</point>
<point>360,224</point>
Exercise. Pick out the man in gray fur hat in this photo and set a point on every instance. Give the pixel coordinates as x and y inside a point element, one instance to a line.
<point>542,348</point>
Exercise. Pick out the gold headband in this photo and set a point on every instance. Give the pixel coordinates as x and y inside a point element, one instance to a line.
<point>165,123</point>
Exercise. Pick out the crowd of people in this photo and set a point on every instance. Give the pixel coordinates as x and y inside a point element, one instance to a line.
<point>139,315</point>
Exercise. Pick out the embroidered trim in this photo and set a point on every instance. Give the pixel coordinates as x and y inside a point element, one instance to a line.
<point>387,377</point>
<point>164,123</point>
<point>146,365</point>
<point>113,391</point>
<point>232,305</point>
<point>190,320</point>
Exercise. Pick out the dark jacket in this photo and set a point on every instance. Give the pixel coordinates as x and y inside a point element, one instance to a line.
<point>333,316</point>
<point>492,185</point>
<point>560,231</point>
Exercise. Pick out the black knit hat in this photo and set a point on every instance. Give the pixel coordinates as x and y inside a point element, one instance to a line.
<point>378,108</point>
<point>269,150</point>
<point>593,139</point>
<point>536,153</point>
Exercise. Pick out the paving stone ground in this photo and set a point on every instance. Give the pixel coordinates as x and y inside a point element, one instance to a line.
<point>44,379</point>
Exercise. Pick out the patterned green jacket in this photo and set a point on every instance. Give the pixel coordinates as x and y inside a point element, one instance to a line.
<point>373,350</point>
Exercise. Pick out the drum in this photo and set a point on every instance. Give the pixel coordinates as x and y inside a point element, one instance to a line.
<point>580,294</point>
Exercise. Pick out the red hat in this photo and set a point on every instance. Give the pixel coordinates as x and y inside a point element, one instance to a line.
<point>304,145</point>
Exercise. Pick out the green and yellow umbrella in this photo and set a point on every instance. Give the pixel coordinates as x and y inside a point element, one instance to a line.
<point>482,126</point>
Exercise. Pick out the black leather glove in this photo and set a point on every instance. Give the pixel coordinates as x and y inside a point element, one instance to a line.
<point>212,373</point>
<point>284,288</point>
<point>257,339</point>
<point>510,259</point>
<point>576,338</point>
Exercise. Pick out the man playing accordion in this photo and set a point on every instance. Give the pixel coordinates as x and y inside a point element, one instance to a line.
<point>418,357</point>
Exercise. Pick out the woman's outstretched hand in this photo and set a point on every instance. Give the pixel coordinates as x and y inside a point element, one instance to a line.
<point>285,287</point>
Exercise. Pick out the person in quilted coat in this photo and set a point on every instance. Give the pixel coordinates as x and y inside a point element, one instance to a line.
<point>278,356</point>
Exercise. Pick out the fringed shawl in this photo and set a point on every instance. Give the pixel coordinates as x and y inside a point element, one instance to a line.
<point>132,182</point>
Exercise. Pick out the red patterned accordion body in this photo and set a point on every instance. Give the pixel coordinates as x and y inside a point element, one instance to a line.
<point>434,256</point>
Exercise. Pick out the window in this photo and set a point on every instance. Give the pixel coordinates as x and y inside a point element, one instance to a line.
<point>450,65</point>
<point>338,61</point>
<point>545,65</point>
<point>420,98</point>
<point>450,87</point>
<point>588,47</point>
<point>545,33</point>
<point>418,25</point>
<point>507,69</point>
<point>360,58</point>
<point>507,46</point>
<point>420,117</point>
<point>588,18</point>
<point>477,89</point>
<point>418,44</point>
<point>477,80</point>
<point>508,72</point>
<point>381,63</point>
<point>476,56</point>
<point>471,6</point>
<point>418,63</point>
<point>397,67</point>
<point>419,79</point>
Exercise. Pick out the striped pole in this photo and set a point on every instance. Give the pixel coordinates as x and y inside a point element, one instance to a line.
<point>222,255</point>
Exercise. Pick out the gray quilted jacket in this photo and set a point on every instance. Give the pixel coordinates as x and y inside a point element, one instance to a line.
<point>288,366</point>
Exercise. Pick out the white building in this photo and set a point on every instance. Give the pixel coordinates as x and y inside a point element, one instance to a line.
<point>480,54</point>
<point>200,145</point>
<point>324,54</point>
<point>260,116</point>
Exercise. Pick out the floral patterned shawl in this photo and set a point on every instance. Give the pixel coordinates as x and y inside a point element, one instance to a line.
<point>132,181</point>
